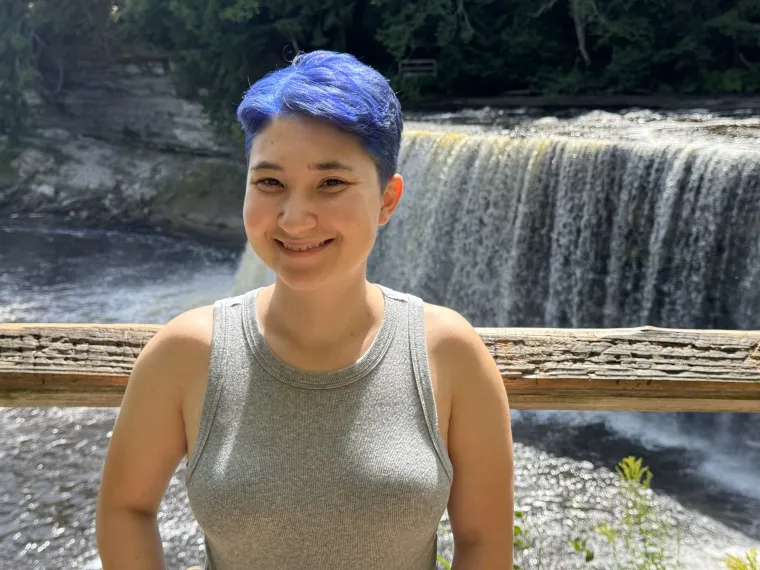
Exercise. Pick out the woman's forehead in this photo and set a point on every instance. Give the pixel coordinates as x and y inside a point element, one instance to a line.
<point>307,142</point>
<point>306,129</point>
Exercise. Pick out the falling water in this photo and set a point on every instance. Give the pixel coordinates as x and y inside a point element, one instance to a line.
<point>577,233</point>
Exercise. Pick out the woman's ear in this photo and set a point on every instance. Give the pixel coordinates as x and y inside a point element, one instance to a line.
<point>391,196</point>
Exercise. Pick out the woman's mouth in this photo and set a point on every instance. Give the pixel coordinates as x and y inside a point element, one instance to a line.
<point>303,250</point>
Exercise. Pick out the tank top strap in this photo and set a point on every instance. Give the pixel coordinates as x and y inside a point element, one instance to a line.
<point>420,365</point>
<point>226,322</point>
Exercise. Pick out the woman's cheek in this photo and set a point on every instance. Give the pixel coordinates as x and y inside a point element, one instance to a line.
<point>256,209</point>
<point>352,207</point>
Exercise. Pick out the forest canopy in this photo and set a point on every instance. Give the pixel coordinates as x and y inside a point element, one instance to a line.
<point>216,48</point>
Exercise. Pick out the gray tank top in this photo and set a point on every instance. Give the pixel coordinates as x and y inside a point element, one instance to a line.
<point>296,470</point>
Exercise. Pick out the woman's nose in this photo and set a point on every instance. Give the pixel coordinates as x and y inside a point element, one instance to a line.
<point>297,216</point>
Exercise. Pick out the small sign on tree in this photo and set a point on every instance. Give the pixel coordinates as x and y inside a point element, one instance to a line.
<point>412,67</point>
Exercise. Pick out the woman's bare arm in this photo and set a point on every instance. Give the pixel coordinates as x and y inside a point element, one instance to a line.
<point>148,442</point>
<point>481,503</point>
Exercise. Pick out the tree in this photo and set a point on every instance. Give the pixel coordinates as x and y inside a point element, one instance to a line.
<point>37,39</point>
<point>220,47</point>
<point>18,70</point>
<point>483,47</point>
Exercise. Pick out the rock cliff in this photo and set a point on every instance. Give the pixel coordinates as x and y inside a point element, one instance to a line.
<point>120,147</point>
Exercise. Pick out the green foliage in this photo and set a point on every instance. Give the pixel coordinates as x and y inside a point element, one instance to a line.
<point>445,563</point>
<point>579,545</point>
<point>749,562</point>
<point>483,47</point>
<point>639,538</point>
<point>219,47</point>
<point>39,39</point>
<point>411,29</point>
<point>660,45</point>
<point>8,153</point>
<point>521,541</point>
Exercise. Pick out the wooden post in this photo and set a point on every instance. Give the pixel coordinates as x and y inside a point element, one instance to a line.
<point>646,368</point>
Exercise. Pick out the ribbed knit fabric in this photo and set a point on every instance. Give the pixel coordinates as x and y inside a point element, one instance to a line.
<point>297,470</point>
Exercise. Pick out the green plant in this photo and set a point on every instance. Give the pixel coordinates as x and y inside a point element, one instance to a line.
<point>638,539</point>
<point>579,546</point>
<point>640,535</point>
<point>638,542</point>
<point>8,153</point>
<point>521,540</point>
<point>18,59</point>
<point>749,562</point>
<point>445,563</point>
<point>40,41</point>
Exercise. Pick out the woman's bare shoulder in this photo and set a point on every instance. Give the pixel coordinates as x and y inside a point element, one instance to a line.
<point>454,345</point>
<point>479,431</point>
<point>444,326</point>
<point>180,350</point>
<point>194,325</point>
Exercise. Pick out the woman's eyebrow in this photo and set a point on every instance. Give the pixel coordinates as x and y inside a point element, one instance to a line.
<point>328,165</point>
<point>265,165</point>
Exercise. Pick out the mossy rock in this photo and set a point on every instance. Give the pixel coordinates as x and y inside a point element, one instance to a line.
<point>205,199</point>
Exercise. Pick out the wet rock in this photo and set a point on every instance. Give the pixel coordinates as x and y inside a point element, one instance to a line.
<point>45,190</point>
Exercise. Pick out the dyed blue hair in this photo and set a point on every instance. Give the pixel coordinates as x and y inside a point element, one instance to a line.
<point>334,87</point>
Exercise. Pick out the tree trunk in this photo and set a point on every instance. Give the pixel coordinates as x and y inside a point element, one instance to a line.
<point>580,29</point>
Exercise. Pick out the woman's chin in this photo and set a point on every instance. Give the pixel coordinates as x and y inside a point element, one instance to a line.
<point>300,279</point>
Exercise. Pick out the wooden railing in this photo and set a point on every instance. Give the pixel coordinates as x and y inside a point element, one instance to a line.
<point>647,368</point>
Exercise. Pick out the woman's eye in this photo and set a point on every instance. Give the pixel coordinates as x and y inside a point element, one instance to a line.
<point>333,183</point>
<point>268,183</point>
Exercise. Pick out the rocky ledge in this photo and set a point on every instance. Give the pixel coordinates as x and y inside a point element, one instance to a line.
<point>99,183</point>
<point>122,149</point>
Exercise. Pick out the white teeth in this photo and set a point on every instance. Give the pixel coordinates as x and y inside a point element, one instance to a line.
<point>286,246</point>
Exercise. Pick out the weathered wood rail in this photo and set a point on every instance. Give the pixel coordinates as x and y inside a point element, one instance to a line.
<point>647,368</point>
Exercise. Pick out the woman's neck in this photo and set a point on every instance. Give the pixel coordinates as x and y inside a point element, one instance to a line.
<point>321,318</point>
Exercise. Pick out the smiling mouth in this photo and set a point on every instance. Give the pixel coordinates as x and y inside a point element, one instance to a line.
<point>301,249</point>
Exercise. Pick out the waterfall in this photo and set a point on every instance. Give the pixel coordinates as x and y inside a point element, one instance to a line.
<point>565,232</point>
<point>251,273</point>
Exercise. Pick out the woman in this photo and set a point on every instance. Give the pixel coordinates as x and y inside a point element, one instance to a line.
<point>327,421</point>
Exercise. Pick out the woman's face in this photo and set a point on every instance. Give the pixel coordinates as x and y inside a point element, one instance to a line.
<point>313,202</point>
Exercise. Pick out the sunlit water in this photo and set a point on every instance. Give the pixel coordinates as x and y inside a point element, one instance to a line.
<point>52,458</point>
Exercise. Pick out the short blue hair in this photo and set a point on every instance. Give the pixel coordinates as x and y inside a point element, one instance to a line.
<point>334,87</point>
